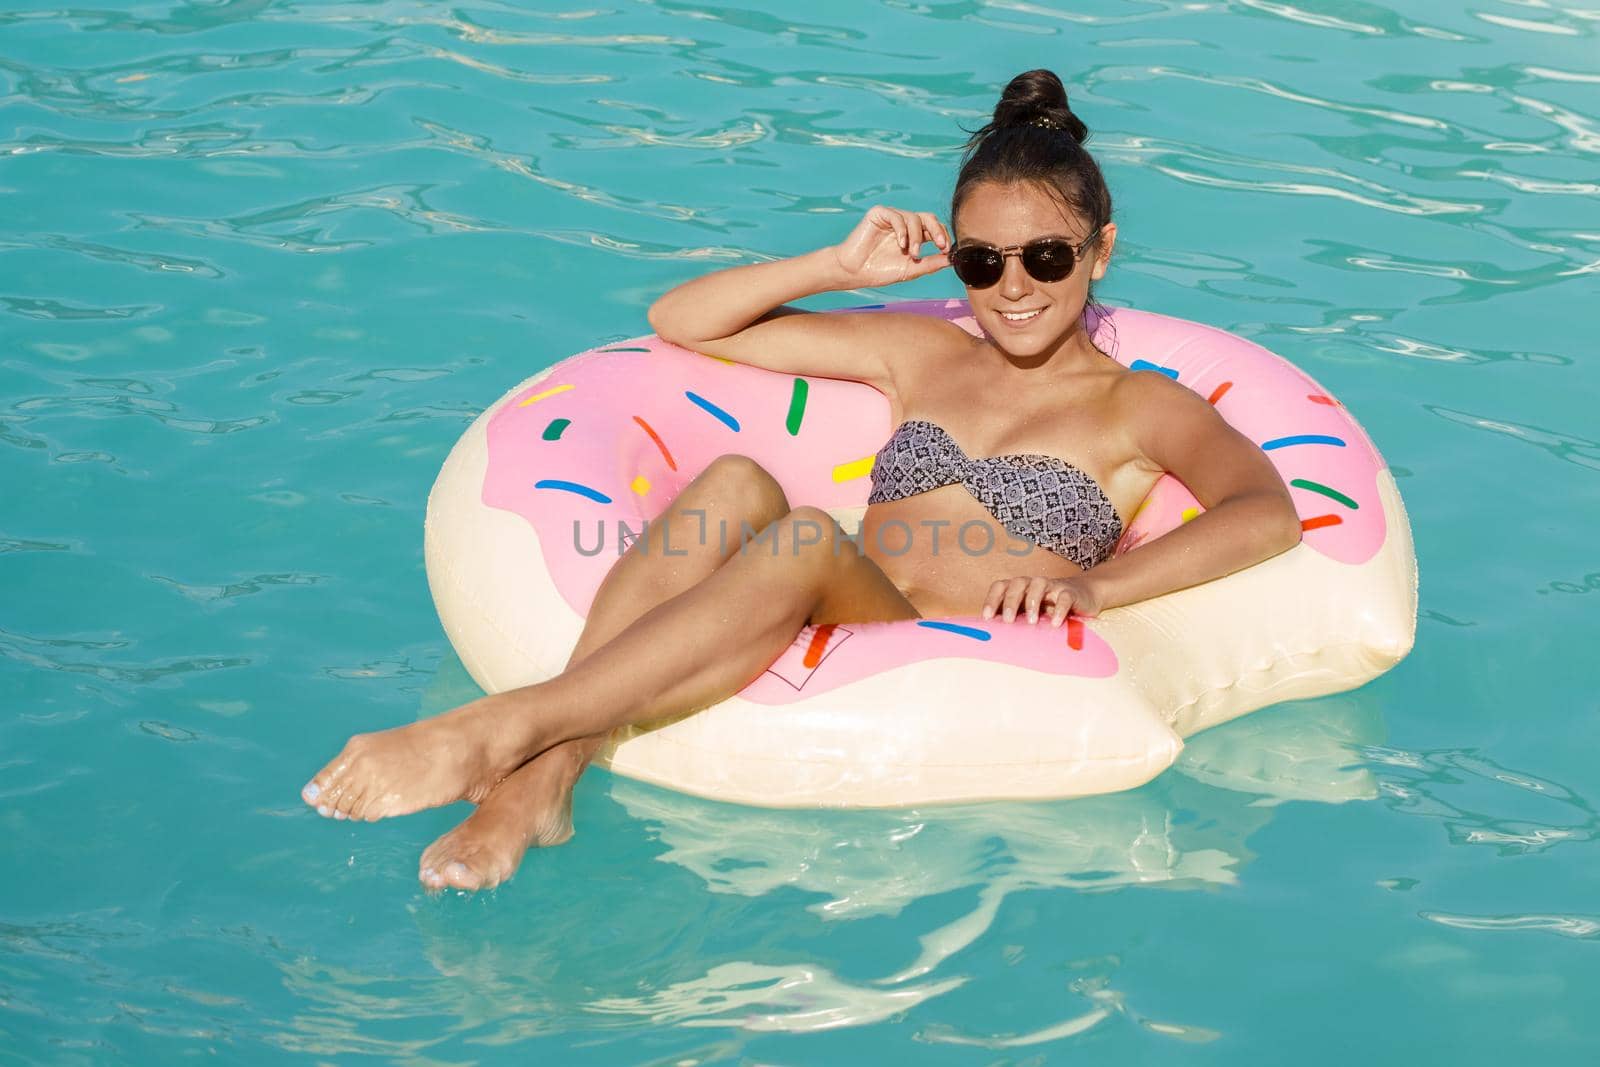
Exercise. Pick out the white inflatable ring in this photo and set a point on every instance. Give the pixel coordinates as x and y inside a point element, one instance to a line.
<point>886,714</point>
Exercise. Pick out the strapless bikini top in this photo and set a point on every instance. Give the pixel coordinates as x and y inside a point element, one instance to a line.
<point>1035,497</point>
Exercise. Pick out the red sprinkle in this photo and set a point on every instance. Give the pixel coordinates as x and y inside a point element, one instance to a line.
<point>1319,398</point>
<point>819,642</point>
<point>659,443</point>
<point>1219,392</point>
<point>1320,521</point>
<point>1074,633</point>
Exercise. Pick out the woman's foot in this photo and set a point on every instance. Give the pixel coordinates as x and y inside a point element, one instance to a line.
<point>459,755</point>
<point>532,808</point>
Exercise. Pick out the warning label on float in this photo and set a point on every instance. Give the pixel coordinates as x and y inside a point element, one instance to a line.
<point>807,653</point>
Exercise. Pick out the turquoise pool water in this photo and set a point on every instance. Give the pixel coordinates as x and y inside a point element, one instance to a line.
<point>260,264</point>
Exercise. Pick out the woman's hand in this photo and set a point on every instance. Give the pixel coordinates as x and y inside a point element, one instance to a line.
<point>886,247</point>
<point>1060,596</point>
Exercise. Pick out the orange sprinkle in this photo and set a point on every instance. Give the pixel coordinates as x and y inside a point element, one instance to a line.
<point>1219,392</point>
<point>819,642</point>
<point>659,443</point>
<point>1320,521</point>
<point>1074,633</point>
<point>1319,398</point>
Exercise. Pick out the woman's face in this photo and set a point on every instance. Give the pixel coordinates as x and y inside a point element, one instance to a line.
<point>1023,315</point>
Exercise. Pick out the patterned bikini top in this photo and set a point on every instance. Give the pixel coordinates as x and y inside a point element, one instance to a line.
<point>1035,497</point>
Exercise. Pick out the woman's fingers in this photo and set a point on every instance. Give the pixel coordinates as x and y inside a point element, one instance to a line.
<point>932,264</point>
<point>1060,600</point>
<point>1014,595</point>
<point>915,238</point>
<point>896,222</point>
<point>887,246</point>
<point>1034,596</point>
<point>991,603</point>
<point>1003,597</point>
<point>1030,596</point>
<point>913,229</point>
<point>1016,591</point>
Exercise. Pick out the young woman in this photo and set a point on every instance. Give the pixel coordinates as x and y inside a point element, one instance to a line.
<point>1030,430</point>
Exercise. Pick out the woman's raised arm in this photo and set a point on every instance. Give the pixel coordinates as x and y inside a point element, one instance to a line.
<point>740,313</point>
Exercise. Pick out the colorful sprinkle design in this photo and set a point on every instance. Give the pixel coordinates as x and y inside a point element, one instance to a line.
<point>715,412</point>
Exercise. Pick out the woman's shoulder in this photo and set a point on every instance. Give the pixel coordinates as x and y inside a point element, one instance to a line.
<point>1150,387</point>
<point>1159,412</point>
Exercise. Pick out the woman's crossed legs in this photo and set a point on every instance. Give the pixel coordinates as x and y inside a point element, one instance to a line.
<point>667,633</point>
<point>695,535</point>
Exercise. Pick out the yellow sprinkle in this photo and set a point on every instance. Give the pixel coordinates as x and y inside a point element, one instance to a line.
<point>719,359</point>
<point>1189,513</point>
<point>856,468</point>
<point>536,397</point>
<point>1139,510</point>
<point>641,485</point>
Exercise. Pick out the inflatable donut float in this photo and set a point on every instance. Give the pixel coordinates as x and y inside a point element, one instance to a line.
<point>927,710</point>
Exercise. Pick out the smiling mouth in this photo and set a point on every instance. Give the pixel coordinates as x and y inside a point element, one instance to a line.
<point>1021,316</point>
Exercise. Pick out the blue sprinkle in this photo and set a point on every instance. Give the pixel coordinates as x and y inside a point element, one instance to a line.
<point>1145,364</point>
<point>1301,439</point>
<point>573,487</point>
<point>955,628</point>
<point>715,412</point>
<point>869,307</point>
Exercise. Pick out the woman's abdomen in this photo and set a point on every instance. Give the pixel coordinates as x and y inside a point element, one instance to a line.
<point>943,550</point>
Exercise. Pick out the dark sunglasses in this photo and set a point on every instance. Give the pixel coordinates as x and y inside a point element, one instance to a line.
<point>1048,259</point>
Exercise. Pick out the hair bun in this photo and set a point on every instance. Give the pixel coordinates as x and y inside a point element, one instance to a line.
<point>1037,98</point>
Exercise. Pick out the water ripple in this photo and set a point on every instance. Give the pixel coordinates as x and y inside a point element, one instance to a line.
<point>1569,448</point>
<point>1284,93</point>
<point>753,996</point>
<point>1312,18</point>
<point>38,652</point>
<point>1578,926</point>
<point>162,411</point>
<point>62,311</point>
<point>14,544</point>
<point>281,226</point>
<point>1529,25</point>
<point>1428,784</point>
<point>148,261</point>
<point>245,587</point>
<point>1176,159</point>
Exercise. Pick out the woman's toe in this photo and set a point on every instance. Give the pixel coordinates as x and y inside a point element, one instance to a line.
<point>433,858</point>
<point>458,875</point>
<point>355,803</point>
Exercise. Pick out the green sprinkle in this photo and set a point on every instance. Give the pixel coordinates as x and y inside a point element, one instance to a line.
<point>797,406</point>
<point>1331,494</point>
<point>553,431</point>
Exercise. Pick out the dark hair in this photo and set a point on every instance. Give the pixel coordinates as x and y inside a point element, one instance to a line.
<point>1034,137</point>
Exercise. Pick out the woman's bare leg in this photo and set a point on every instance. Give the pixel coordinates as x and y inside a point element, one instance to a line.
<point>533,806</point>
<point>697,648</point>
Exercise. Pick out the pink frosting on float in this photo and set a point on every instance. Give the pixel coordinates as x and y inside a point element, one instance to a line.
<point>601,443</point>
<point>824,657</point>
